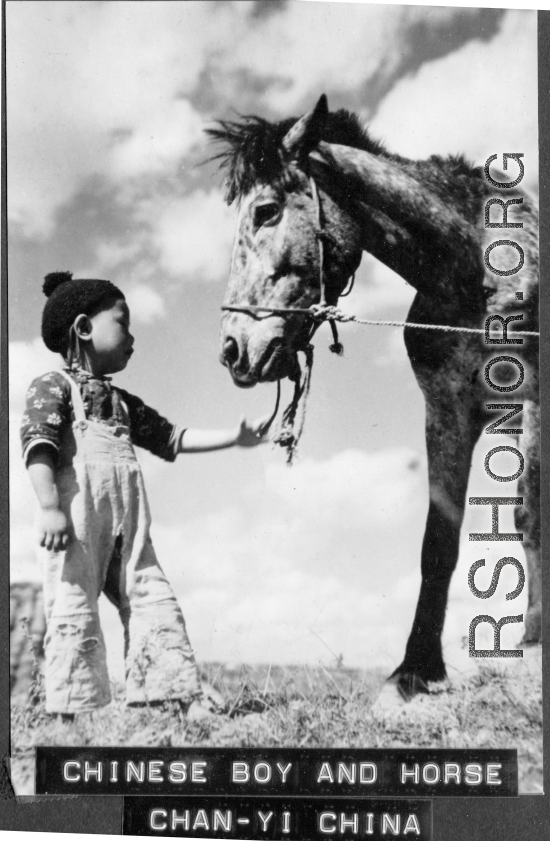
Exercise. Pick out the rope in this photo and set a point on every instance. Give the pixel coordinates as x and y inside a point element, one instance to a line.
<point>287,436</point>
<point>266,426</point>
<point>330,314</point>
<point>251,308</point>
<point>348,291</point>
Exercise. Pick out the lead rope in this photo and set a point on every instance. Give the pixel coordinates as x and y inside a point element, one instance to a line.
<point>331,314</point>
<point>266,426</point>
<point>287,435</point>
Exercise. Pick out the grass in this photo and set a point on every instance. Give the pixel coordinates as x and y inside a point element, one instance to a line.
<point>304,707</point>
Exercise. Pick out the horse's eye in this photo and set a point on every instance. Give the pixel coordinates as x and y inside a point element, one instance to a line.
<point>265,214</point>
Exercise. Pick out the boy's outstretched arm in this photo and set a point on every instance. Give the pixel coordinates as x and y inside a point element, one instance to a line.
<point>246,434</point>
<point>53,523</point>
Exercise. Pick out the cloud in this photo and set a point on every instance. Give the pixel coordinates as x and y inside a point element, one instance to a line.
<point>166,134</point>
<point>286,49</point>
<point>146,305</point>
<point>111,254</point>
<point>94,90</point>
<point>442,110</point>
<point>309,49</point>
<point>193,235</point>
<point>378,290</point>
<point>120,91</point>
<point>353,482</point>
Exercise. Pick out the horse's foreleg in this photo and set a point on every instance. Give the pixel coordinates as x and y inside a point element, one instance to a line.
<point>451,433</point>
<point>528,519</point>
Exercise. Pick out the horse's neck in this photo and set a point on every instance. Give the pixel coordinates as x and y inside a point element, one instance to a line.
<point>405,223</point>
<point>393,244</point>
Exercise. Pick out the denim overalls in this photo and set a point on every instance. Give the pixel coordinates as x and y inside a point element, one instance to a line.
<point>101,491</point>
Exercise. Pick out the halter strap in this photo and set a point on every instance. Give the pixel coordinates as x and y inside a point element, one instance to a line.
<point>321,236</point>
<point>319,233</point>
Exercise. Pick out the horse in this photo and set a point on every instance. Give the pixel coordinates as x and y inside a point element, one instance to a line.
<point>313,193</point>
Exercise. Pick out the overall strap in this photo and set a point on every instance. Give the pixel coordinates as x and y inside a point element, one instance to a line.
<point>78,405</point>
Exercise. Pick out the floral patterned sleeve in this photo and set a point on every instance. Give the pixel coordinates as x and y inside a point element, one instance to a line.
<point>47,409</point>
<point>150,430</point>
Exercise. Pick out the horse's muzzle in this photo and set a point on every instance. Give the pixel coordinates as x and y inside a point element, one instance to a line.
<point>230,352</point>
<point>249,362</point>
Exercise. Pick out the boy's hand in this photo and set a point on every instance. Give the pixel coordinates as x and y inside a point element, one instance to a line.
<point>250,434</point>
<point>53,529</point>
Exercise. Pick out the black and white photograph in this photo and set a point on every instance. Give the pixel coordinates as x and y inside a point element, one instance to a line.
<point>274,427</point>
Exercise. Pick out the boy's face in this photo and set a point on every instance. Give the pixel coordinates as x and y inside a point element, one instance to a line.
<point>111,340</point>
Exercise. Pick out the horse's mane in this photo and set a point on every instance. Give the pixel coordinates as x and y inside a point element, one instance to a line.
<point>253,151</point>
<point>253,148</point>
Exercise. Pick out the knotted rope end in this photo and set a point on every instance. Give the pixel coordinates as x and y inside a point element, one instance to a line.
<point>337,346</point>
<point>290,430</point>
<point>286,439</point>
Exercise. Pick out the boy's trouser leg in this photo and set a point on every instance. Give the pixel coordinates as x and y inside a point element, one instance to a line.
<point>76,676</point>
<point>160,663</point>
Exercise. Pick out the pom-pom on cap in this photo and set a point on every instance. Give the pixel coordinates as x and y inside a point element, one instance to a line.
<point>53,280</point>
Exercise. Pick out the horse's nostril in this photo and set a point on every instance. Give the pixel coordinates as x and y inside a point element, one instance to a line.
<point>230,352</point>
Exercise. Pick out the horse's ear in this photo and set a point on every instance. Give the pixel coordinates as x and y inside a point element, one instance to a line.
<point>306,132</point>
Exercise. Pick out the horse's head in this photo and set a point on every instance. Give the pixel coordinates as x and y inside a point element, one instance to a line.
<point>276,259</point>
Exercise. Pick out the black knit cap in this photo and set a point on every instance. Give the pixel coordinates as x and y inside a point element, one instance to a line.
<point>68,298</point>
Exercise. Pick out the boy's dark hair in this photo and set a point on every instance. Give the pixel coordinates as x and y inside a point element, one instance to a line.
<point>68,298</point>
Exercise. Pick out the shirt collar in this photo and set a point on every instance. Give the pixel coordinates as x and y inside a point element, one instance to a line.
<point>81,375</point>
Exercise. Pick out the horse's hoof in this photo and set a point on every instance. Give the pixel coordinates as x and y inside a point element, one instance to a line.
<point>410,684</point>
<point>532,633</point>
<point>398,691</point>
<point>530,642</point>
<point>389,699</point>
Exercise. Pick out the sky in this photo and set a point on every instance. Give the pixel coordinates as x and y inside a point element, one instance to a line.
<point>107,103</point>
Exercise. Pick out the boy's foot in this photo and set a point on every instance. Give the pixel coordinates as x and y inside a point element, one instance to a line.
<point>65,718</point>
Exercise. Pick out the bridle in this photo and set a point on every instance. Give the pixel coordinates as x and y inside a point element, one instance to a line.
<point>287,437</point>
<point>316,312</point>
